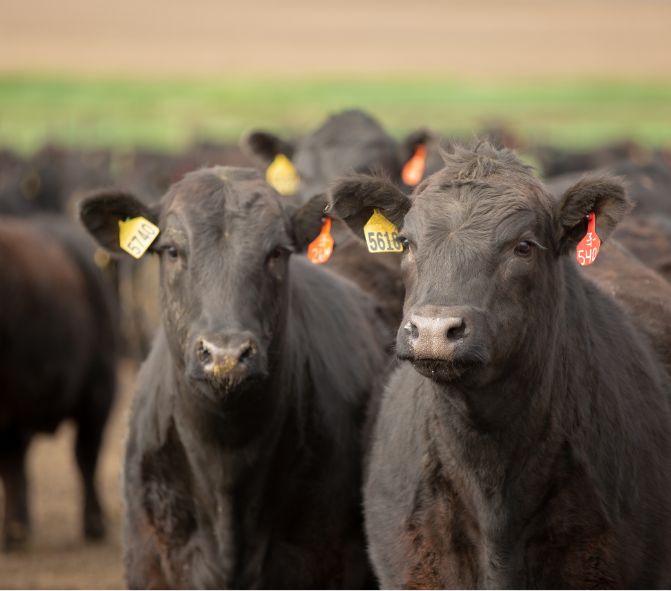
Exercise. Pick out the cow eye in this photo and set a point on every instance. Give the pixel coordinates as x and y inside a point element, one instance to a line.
<point>405,243</point>
<point>277,252</point>
<point>171,252</point>
<point>523,248</point>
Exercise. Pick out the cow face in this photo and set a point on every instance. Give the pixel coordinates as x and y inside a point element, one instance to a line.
<point>224,244</point>
<point>481,244</point>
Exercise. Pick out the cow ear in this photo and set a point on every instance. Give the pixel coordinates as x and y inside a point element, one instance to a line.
<point>604,196</point>
<point>263,147</point>
<point>355,198</point>
<point>306,220</point>
<point>413,140</point>
<point>101,212</point>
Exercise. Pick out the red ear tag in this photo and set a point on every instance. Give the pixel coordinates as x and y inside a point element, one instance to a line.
<point>588,248</point>
<point>321,248</point>
<point>413,171</point>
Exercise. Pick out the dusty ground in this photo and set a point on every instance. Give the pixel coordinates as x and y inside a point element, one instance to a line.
<point>58,557</point>
<point>473,38</point>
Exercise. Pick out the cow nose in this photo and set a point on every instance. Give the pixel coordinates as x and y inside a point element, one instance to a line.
<point>435,337</point>
<point>221,357</point>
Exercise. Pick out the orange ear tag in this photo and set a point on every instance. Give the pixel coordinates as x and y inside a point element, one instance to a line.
<point>413,171</point>
<point>588,248</point>
<point>321,248</point>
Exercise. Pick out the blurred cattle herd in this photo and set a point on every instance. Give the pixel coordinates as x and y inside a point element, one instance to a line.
<point>479,410</point>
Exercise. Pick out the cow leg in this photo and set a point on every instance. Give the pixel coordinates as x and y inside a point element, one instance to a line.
<point>90,428</point>
<point>13,446</point>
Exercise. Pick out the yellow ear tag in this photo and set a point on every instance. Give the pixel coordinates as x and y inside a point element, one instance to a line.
<point>381,235</point>
<point>136,235</point>
<point>283,176</point>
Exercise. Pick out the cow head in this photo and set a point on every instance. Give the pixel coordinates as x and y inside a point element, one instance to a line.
<point>224,246</point>
<point>482,245</point>
<point>346,143</point>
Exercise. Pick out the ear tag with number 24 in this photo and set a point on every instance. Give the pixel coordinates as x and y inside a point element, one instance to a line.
<point>282,175</point>
<point>413,171</point>
<point>381,234</point>
<point>588,248</point>
<point>136,235</point>
<point>321,248</point>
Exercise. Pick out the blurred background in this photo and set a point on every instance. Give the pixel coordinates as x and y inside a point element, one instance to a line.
<point>136,92</point>
<point>162,74</point>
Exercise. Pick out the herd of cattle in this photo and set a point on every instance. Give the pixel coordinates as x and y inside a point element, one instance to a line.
<point>478,410</point>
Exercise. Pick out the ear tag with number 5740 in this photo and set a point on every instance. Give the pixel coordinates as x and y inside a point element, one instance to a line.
<point>136,235</point>
<point>381,235</point>
<point>588,248</point>
<point>283,176</point>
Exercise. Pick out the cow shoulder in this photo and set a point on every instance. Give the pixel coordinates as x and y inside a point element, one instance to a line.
<point>410,503</point>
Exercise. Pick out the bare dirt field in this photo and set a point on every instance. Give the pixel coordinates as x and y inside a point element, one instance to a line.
<point>469,38</point>
<point>58,557</point>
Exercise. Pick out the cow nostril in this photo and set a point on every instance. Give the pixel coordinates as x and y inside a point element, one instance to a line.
<point>456,331</point>
<point>203,353</point>
<point>411,327</point>
<point>246,353</point>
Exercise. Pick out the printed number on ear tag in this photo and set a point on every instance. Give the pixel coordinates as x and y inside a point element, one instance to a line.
<point>136,235</point>
<point>381,235</point>
<point>321,248</point>
<point>283,176</point>
<point>413,171</point>
<point>588,248</point>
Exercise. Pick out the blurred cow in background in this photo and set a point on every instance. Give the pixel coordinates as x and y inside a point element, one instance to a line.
<point>58,336</point>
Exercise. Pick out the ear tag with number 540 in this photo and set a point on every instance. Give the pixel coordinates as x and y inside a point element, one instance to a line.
<point>588,248</point>
<point>136,235</point>
<point>381,235</point>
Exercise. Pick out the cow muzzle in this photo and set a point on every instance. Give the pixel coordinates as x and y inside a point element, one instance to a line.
<point>444,342</point>
<point>225,360</point>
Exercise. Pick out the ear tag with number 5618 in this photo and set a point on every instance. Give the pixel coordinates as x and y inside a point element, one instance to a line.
<point>136,235</point>
<point>588,248</point>
<point>381,234</point>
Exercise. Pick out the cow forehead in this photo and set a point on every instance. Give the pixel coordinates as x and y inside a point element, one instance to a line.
<point>488,200</point>
<point>220,193</point>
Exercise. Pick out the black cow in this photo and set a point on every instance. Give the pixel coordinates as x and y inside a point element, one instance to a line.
<point>643,293</point>
<point>647,231</point>
<point>346,143</point>
<point>57,336</point>
<point>555,161</point>
<point>526,439</point>
<point>243,461</point>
